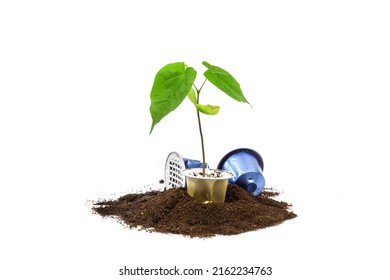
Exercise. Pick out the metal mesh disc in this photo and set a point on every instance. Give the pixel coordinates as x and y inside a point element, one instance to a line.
<point>173,171</point>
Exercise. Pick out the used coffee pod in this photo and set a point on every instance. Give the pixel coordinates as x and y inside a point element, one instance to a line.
<point>193,163</point>
<point>247,167</point>
<point>174,166</point>
<point>208,187</point>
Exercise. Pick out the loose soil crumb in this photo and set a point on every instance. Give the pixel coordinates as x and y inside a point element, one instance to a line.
<point>174,211</point>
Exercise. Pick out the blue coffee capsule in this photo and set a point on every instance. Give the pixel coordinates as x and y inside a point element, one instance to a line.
<point>193,163</point>
<point>247,167</point>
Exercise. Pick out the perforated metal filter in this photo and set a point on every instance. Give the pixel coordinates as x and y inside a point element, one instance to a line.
<point>173,171</point>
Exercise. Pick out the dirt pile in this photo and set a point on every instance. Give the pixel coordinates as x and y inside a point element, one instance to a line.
<point>174,211</point>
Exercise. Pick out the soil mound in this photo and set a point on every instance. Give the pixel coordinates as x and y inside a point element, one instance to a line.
<point>174,211</point>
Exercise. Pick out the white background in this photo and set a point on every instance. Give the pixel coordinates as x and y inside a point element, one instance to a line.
<point>75,79</point>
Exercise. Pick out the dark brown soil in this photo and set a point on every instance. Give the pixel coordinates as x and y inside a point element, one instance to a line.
<point>174,211</point>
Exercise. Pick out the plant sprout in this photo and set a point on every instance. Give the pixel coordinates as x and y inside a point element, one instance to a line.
<point>175,81</point>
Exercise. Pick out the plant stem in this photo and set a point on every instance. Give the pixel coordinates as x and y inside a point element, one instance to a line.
<point>202,85</point>
<point>200,130</point>
<point>202,142</point>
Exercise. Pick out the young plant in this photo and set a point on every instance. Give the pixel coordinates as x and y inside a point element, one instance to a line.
<point>175,81</point>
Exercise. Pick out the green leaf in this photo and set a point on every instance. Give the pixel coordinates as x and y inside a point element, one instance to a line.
<point>191,96</point>
<point>171,86</point>
<point>224,81</point>
<point>207,109</point>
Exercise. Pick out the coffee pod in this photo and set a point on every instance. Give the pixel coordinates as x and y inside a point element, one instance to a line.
<point>174,165</point>
<point>247,167</point>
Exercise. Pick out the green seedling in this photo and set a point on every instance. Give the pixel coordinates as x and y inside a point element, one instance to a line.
<point>175,81</point>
